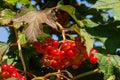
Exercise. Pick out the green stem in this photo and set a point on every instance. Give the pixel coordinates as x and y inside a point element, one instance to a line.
<point>86,73</point>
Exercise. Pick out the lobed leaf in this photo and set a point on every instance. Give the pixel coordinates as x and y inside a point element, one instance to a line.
<point>109,4</point>
<point>6,16</point>
<point>107,64</point>
<point>3,48</point>
<point>34,20</point>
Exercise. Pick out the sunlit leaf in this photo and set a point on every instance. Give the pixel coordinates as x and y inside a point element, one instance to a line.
<point>34,20</point>
<point>90,23</point>
<point>107,64</point>
<point>88,39</point>
<point>22,38</point>
<point>6,16</point>
<point>3,48</point>
<point>43,36</point>
<point>12,79</point>
<point>109,4</point>
<point>13,2</point>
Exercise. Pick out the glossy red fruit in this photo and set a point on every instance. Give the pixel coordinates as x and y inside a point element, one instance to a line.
<point>5,74</point>
<point>62,53</point>
<point>54,52</point>
<point>22,78</point>
<point>70,52</point>
<point>5,67</point>
<point>93,60</point>
<point>48,40</point>
<point>55,43</point>
<point>15,74</point>
<point>11,68</point>
<point>65,46</point>
<point>93,50</point>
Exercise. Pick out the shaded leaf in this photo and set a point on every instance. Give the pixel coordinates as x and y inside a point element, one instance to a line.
<point>109,4</point>
<point>6,16</point>
<point>3,48</point>
<point>71,11</point>
<point>34,20</point>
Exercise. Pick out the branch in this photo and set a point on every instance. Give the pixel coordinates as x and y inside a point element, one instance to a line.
<point>86,73</point>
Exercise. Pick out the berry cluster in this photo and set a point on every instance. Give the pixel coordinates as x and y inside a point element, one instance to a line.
<point>93,59</point>
<point>9,71</point>
<point>61,54</point>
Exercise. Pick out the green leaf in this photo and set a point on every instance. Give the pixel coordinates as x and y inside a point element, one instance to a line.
<point>70,36</point>
<point>13,2</point>
<point>76,29</point>
<point>12,79</point>
<point>3,48</point>
<point>88,39</point>
<point>43,36</point>
<point>60,3</point>
<point>109,4</point>
<point>24,1</point>
<point>6,16</point>
<point>22,38</point>
<point>90,23</point>
<point>107,64</point>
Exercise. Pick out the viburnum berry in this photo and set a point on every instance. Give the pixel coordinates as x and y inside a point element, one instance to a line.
<point>70,52</point>
<point>55,52</point>
<point>15,74</point>
<point>55,43</point>
<point>62,54</point>
<point>11,68</point>
<point>93,59</point>
<point>5,74</point>
<point>5,67</point>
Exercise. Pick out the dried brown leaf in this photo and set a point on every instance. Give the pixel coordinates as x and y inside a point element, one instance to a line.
<point>34,20</point>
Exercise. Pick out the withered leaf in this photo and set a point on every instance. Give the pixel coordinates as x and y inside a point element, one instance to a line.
<point>34,20</point>
<point>3,48</point>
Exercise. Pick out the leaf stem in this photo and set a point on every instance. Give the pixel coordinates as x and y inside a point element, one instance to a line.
<point>86,73</point>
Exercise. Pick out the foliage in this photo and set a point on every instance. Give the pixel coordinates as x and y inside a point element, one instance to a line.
<point>65,56</point>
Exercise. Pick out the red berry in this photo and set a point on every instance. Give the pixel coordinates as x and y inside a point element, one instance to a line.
<point>15,74</point>
<point>93,60</point>
<point>65,46</point>
<point>5,74</point>
<point>22,78</point>
<point>48,40</point>
<point>62,53</point>
<point>5,67</point>
<point>55,52</point>
<point>70,52</point>
<point>11,69</point>
<point>55,43</point>
<point>48,48</point>
<point>93,50</point>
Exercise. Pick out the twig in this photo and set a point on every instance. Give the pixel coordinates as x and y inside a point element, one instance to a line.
<point>86,73</point>
<point>20,50</point>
